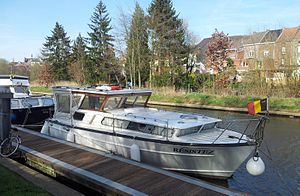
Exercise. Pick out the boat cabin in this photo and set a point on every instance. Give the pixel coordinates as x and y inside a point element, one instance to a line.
<point>125,110</point>
<point>17,85</point>
<point>92,99</point>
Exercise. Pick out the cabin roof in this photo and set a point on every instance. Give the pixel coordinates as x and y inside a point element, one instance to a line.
<point>101,92</point>
<point>14,77</point>
<point>14,80</point>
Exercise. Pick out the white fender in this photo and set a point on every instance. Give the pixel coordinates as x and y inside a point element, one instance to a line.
<point>135,153</point>
<point>70,136</point>
<point>255,166</point>
<point>45,128</point>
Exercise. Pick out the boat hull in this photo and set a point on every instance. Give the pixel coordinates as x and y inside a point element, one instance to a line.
<point>31,116</point>
<point>210,160</point>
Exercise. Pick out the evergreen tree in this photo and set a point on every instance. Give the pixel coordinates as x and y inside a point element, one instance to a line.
<point>56,52</point>
<point>101,53</point>
<point>168,48</point>
<point>79,60</point>
<point>137,48</point>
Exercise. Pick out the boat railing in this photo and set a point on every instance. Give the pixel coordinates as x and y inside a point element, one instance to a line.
<point>252,128</point>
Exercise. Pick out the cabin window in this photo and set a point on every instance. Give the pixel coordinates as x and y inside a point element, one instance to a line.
<point>47,101</point>
<point>63,103</point>
<point>21,89</point>
<point>193,130</point>
<point>150,129</point>
<point>140,127</point>
<point>112,103</point>
<point>188,131</point>
<point>29,102</point>
<point>91,103</point>
<point>209,126</point>
<point>14,103</point>
<point>123,124</point>
<point>78,115</point>
<point>76,100</point>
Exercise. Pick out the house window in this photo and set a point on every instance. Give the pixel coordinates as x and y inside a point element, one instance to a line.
<point>251,53</point>
<point>283,50</point>
<point>282,61</point>
<point>266,52</point>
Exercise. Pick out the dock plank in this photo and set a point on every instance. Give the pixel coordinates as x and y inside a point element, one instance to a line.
<point>111,173</point>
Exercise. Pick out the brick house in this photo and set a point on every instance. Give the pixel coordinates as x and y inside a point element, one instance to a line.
<point>270,50</point>
<point>286,48</point>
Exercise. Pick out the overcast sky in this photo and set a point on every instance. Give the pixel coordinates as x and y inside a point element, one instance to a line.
<point>24,24</point>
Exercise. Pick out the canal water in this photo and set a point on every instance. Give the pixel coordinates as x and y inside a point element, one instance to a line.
<point>280,152</point>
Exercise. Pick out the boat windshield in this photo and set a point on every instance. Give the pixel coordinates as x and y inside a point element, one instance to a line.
<point>21,89</point>
<point>112,103</point>
<point>125,101</point>
<point>131,101</point>
<point>92,102</point>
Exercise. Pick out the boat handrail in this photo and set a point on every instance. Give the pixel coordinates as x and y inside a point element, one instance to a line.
<point>257,132</point>
<point>222,132</point>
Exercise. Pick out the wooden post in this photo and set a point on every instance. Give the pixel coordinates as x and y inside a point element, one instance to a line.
<point>5,97</point>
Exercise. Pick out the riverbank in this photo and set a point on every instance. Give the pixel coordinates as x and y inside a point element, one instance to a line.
<point>220,108</point>
<point>289,107</point>
<point>18,179</point>
<point>277,106</point>
<point>12,183</point>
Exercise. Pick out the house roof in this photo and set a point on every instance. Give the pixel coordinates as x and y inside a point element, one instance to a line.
<point>255,37</point>
<point>271,35</point>
<point>236,41</point>
<point>297,36</point>
<point>288,34</point>
<point>202,46</point>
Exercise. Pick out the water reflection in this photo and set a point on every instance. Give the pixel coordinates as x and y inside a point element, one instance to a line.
<point>279,150</point>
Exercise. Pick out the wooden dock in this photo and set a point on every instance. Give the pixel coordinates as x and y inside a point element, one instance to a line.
<point>107,173</point>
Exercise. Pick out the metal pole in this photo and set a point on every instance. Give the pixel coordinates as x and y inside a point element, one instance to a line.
<point>5,97</point>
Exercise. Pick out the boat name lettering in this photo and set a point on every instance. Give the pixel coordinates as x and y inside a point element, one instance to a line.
<point>194,151</point>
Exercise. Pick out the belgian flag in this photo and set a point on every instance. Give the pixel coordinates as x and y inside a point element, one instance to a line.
<point>257,106</point>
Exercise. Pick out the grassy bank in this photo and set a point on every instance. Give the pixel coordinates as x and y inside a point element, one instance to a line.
<point>12,184</point>
<point>282,104</point>
<point>277,104</point>
<point>40,89</point>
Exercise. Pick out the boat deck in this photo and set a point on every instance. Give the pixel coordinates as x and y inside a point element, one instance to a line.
<point>107,173</point>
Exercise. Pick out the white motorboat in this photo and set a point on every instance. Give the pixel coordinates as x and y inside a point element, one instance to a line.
<point>27,109</point>
<point>120,122</point>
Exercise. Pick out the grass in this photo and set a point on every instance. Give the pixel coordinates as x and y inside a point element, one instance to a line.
<point>283,104</point>
<point>12,184</point>
<point>40,89</point>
